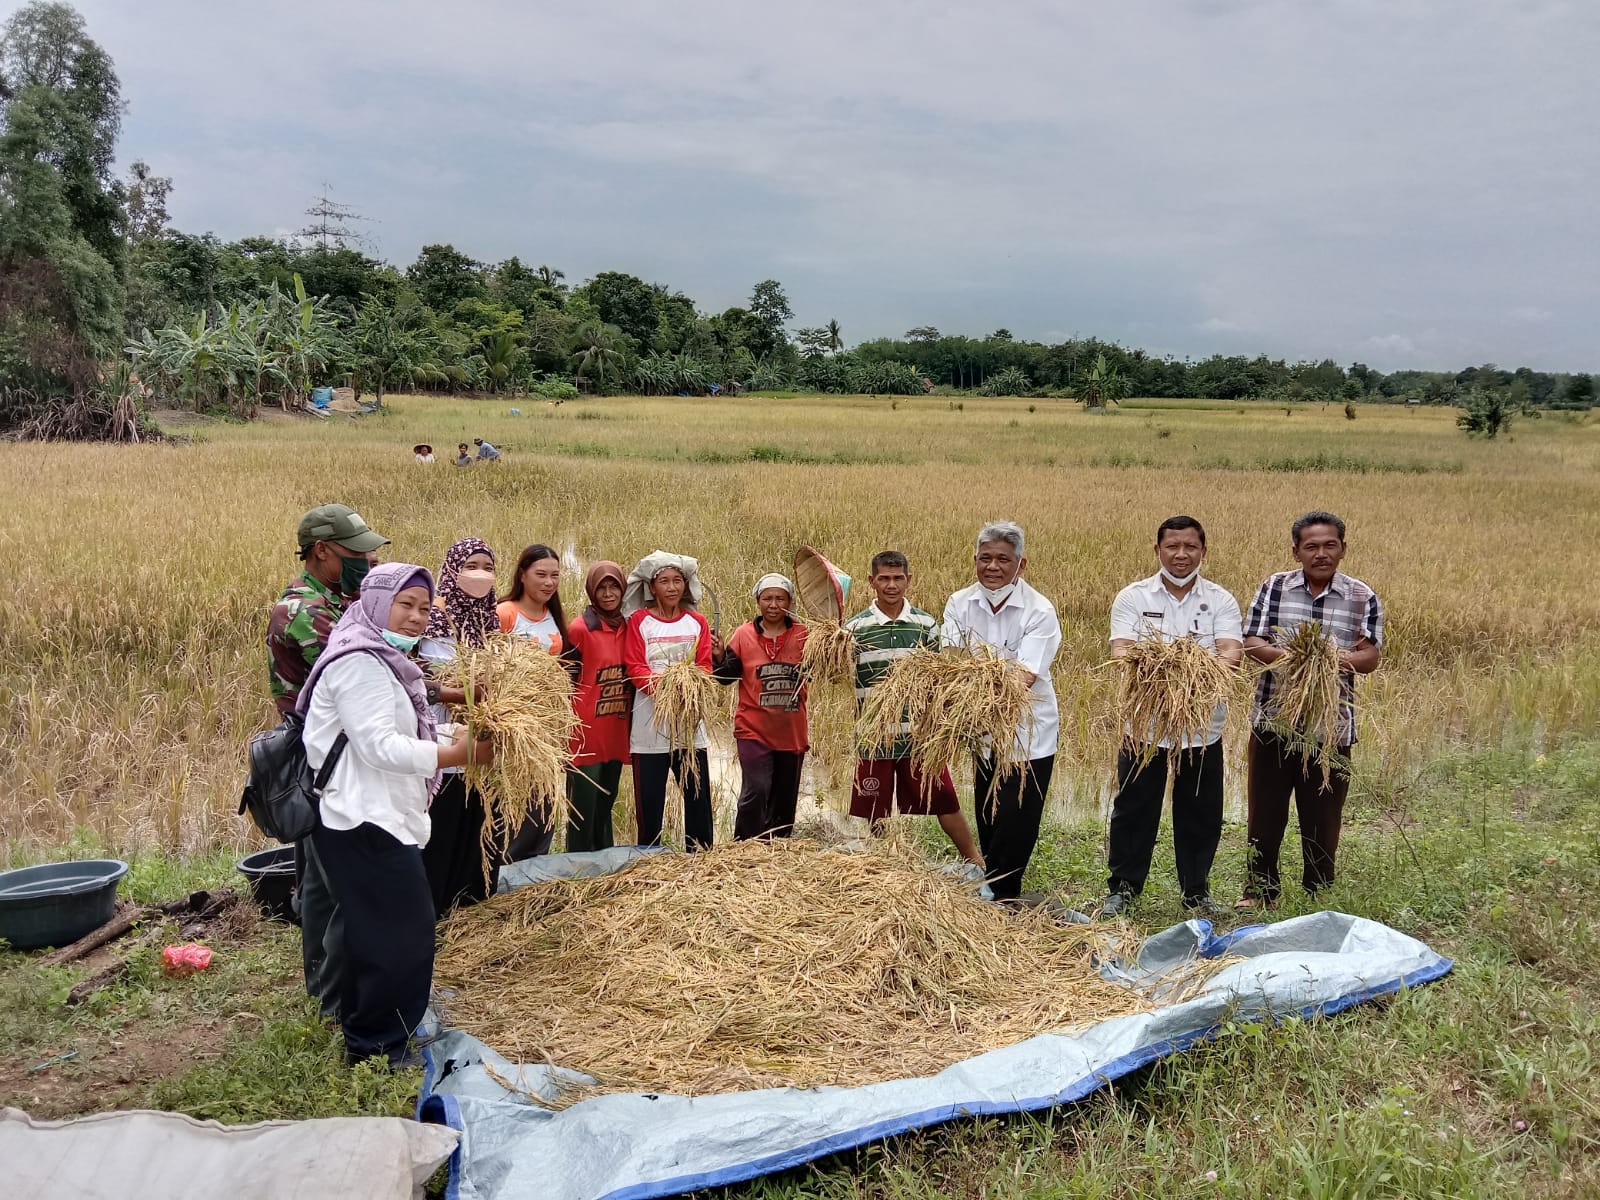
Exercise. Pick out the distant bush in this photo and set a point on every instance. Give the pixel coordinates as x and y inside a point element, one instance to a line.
<point>1013,381</point>
<point>555,389</point>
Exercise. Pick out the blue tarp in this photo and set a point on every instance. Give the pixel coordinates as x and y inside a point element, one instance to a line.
<point>623,1147</point>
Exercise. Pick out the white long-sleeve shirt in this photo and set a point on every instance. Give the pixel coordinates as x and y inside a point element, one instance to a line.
<point>1026,630</point>
<point>382,776</point>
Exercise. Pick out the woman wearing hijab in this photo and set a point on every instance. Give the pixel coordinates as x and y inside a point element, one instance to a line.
<point>664,627</point>
<point>463,612</point>
<point>374,811</point>
<point>532,609</point>
<point>769,724</point>
<point>602,700</point>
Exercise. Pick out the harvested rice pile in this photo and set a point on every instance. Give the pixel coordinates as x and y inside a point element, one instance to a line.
<point>1169,692</point>
<point>521,695</point>
<point>762,965</point>
<point>1305,695</point>
<point>948,704</point>
<point>829,655</point>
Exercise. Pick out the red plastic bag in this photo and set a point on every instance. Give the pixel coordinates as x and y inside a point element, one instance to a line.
<point>186,959</point>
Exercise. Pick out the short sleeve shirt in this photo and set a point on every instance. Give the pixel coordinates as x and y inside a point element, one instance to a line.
<point>1026,630</point>
<point>1350,613</point>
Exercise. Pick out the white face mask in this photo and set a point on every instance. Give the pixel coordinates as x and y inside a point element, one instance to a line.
<point>1180,580</point>
<point>998,596</point>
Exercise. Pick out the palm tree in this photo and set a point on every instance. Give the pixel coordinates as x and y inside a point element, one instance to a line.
<point>835,341</point>
<point>597,351</point>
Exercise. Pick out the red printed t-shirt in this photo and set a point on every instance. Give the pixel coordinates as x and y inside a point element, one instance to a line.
<point>602,696</point>
<point>772,700</point>
<point>649,647</point>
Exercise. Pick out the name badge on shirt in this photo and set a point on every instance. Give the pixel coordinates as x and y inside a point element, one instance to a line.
<point>1154,616</point>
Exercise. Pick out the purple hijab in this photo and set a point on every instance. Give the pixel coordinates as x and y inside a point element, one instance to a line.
<point>360,631</point>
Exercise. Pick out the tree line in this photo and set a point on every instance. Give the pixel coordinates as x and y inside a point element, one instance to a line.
<point>101,297</point>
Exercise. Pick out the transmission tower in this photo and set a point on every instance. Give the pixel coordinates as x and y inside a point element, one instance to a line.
<point>330,226</point>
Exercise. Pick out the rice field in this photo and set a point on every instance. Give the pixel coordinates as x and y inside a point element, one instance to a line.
<point>139,579</point>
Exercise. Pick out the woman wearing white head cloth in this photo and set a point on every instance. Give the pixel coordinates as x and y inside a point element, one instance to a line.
<point>769,725</point>
<point>664,627</point>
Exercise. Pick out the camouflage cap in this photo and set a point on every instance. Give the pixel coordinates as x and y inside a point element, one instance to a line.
<point>341,524</point>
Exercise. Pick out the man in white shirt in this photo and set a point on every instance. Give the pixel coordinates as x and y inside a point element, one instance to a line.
<point>1175,602</point>
<point>1001,611</point>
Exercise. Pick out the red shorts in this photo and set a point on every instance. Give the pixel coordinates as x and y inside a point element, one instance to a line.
<point>884,786</point>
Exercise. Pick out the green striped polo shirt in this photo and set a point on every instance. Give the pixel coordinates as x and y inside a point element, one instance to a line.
<point>880,640</point>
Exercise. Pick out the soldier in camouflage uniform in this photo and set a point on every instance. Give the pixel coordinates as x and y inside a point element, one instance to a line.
<point>337,547</point>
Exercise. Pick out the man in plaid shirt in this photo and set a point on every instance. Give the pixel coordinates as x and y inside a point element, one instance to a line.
<point>1351,615</point>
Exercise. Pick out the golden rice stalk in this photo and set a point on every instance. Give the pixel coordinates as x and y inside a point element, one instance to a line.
<point>685,698</point>
<point>1305,695</point>
<point>520,695</point>
<point>1169,692</point>
<point>945,705</point>
<point>829,655</point>
<point>760,964</point>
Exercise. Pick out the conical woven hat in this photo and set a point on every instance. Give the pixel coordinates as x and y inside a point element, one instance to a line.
<point>823,587</point>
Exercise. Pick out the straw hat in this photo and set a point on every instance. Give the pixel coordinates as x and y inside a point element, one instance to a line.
<point>822,586</point>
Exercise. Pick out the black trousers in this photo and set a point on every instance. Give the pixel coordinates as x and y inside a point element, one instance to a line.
<point>1009,811</point>
<point>321,930</point>
<point>1277,771</point>
<point>769,790</point>
<point>534,838</point>
<point>650,773</point>
<point>1196,818</point>
<point>383,894</point>
<point>453,857</point>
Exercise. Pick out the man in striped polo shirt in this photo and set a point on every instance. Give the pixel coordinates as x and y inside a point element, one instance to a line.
<point>890,628</point>
<point>1351,615</point>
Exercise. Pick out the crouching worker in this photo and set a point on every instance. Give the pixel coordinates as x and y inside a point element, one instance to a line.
<point>374,812</point>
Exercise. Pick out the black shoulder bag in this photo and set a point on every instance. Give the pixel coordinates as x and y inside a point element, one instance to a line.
<point>281,794</point>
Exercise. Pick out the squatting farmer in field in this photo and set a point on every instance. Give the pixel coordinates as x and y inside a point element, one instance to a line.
<point>1003,612</point>
<point>889,629</point>
<point>1351,615</point>
<point>1175,602</point>
<point>338,549</point>
<point>769,724</point>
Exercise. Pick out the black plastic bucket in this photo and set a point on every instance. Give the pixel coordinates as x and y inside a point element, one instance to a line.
<point>271,876</point>
<point>57,903</point>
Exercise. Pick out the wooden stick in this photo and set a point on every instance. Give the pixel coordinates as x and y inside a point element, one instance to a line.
<point>128,915</point>
<point>104,978</point>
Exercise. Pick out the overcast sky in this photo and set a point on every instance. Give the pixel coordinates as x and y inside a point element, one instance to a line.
<point>1403,182</point>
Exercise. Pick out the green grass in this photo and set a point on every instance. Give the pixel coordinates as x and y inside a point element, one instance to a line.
<point>1481,1085</point>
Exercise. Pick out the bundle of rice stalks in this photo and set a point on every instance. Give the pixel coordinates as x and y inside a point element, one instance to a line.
<point>685,698</point>
<point>763,965</point>
<point>520,695</point>
<point>1169,692</point>
<point>1305,695</point>
<point>829,655</point>
<point>940,706</point>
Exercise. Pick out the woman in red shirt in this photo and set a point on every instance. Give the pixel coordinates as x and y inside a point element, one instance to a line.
<point>769,725</point>
<point>604,701</point>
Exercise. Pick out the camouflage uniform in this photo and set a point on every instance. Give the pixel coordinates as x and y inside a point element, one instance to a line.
<point>297,631</point>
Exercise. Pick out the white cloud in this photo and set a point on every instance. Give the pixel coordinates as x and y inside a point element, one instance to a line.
<point>1530,314</point>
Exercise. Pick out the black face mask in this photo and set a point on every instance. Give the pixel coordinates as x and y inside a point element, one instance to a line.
<point>352,570</point>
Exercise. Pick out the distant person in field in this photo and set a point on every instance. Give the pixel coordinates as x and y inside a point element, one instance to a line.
<point>1002,612</point>
<point>532,609</point>
<point>462,614</point>
<point>890,628</point>
<point>374,813</point>
<point>665,627</point>
<point>463,456</point>
<point>424,453</point>
<point>1176,602</point>
<point>604,702</point>
<point>1351,615</point>
<point>486,452</point>
<point>338,549</point>
<point>769,723</point>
